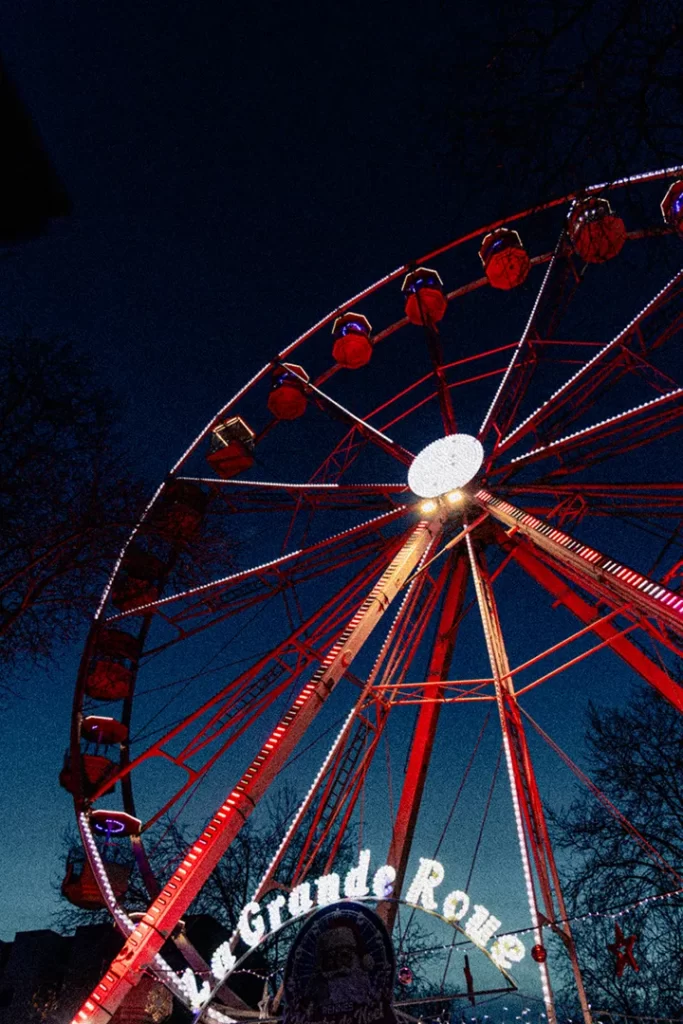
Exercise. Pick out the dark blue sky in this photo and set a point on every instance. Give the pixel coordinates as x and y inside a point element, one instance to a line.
<point>285,154</point>
<point>235,173</point>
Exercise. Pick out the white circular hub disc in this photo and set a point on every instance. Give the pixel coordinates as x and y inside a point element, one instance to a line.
<point>445,465</point>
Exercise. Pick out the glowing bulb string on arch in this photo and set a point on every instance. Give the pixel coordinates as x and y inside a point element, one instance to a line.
<point>448,947</point>
<point>622,911</point>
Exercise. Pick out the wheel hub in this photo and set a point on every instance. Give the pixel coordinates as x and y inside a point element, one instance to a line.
<point>445,465</point>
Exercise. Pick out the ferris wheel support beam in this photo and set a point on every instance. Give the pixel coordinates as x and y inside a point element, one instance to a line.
<point>339,753</point>
<point>165,911</point>
<point>655,500</point>
<point>454,578</point>
<point>614,580</point>
<point>532,830</point>
<point>523,553</point>
<point>235,700</point>
<point>398,649</point>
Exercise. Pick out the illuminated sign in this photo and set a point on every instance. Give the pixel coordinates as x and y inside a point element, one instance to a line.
<point>256,922</point>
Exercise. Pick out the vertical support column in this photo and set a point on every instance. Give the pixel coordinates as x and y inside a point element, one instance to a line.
<point>454,578</point>
<point>528,810</point>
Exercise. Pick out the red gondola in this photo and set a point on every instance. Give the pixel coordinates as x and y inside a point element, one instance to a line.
<point>596,233</point>
<point>96,769</point>
<point>352,346</point>
<point>287,399</point>
<point>81,889</point>
<point>232,445</point>
<point>672,207</point>
<point>138,582</point>
<point>425,301</point>
<point>506,261</point>
<point>110,676</point>
<point>180,510</point>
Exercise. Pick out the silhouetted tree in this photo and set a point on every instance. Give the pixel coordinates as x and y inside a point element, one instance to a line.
<point>563,93</point>
<point>636,760</point>
<point>67,499</point>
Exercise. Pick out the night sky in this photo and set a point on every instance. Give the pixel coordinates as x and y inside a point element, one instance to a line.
<point>236,171</point>
<point>233,174</point>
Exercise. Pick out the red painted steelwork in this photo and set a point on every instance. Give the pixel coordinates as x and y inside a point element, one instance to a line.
<point>398,651</point>
<point>631,429</point>
<point>655,499</point>
<point>557,587</point>
<point>646,595</point>
<point>163,914</point>
<point>234,700</point>
<point>646,332</point>
<point>532,829</point>
<point>454,578</point>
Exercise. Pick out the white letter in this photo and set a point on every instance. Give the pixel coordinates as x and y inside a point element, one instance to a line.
<point>251,932</point>
<point>328,889</point>
<point>450,905</point>
<point>273,908</point>
<point>222,961</point>
<point>197,996</point>
<point>356,881</point>
<point>506,950</point>
<point>300,901</point>
<point>381,883</point>
<point>481,926</point>
<point>429,874</point>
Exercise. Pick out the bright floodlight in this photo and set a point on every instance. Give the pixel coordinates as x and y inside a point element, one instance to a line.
<point>445,465</point>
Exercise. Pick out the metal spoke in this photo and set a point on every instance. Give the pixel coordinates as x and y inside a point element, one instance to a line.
<point>559,283</point>
<point>657,323</point>
<point>207,592</point>
<point>609,578</point>
<point>616,435</point>
<point>574,500</point>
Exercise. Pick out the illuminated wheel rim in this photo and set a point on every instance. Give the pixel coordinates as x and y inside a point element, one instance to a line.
<point>316,527</point>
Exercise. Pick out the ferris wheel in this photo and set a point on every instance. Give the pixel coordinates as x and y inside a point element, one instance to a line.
<point>519,409</point>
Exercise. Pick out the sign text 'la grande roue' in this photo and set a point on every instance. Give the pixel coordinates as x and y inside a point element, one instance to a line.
<point>257,921</point>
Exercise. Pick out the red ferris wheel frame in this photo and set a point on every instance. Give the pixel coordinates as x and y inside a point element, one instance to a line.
<point>576,575</point>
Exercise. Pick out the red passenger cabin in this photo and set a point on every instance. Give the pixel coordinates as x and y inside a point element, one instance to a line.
<point>96,766</point>
<point>111,671</point>
<point>80,887</point>
<point>139,579</point>
<point>287,399</point>
<point>672,207</point>
<point>179,512</point>
<point>425,301</point>
<point>232,447</point>
<point>352,346</point>
<point>596,233</point>
<point>506,261</point>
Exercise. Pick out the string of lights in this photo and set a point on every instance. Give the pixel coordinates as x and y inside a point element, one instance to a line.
<point>578,919</point>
